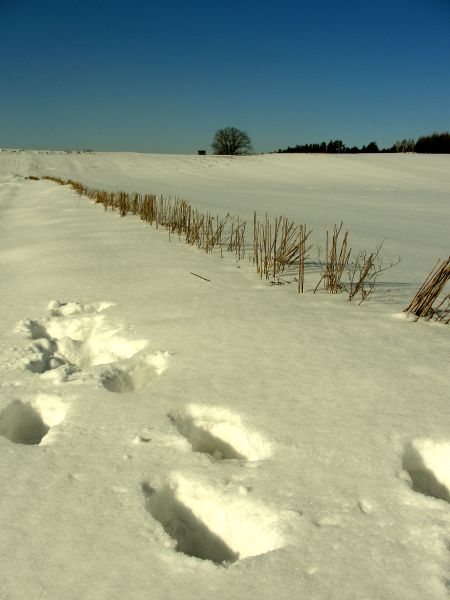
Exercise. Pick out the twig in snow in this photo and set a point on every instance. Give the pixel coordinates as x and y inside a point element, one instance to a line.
<point>200,276</point>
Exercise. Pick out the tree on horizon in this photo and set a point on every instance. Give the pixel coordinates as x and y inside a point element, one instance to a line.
<point>231,141</point>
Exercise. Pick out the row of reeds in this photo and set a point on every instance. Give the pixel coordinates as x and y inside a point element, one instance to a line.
<point>177,216</point>
<point>278,245</point>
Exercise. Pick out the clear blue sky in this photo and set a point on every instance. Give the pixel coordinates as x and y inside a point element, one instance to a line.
<point>162,76</point>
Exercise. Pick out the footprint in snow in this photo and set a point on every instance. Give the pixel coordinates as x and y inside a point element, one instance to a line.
<point>218,432</point>
<point>428,464</point>
<point>30,422</point>
<point>135,374</point>
<point>212,524</point>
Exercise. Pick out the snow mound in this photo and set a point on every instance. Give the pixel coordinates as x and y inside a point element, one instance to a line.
<point>136,375</point>
<point>29,422</point>
<point>210,524</point>
<point>218,432</point>
<point>428,464</point>
<point>80,340</point>
<point>65,309</point>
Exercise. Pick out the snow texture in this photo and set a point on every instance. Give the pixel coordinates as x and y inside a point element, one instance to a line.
<point>169,437</point>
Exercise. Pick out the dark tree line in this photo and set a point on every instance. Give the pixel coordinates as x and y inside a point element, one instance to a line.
<point>437,143</point>
<point>332,147</point>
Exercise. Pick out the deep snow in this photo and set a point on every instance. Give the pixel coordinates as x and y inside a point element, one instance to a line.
<point>162,436</point>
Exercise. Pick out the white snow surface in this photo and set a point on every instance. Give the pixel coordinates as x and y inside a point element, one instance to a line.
<point>162,436</point>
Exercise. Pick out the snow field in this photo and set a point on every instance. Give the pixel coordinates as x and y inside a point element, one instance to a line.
<point>297,440</point>
<point>204,523</point>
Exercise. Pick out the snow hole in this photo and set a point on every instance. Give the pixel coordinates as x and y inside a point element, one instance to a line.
<point>218,432</point>
<point>428,465</point>
<point>211,526</point>
<point>29,422</point>
<point>136,375</point>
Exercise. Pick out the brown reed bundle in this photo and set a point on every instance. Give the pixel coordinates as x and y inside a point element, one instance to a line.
<point>422,303</point>
<point>303,236</point>
<point>75,185</point>
<point>337,257</point>
<point>236,238</point>
<point>442,310</point>
<point>54,179</point>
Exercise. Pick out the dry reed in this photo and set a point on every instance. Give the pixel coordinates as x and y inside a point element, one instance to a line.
<point>422,303</point>
<point>336,261</point>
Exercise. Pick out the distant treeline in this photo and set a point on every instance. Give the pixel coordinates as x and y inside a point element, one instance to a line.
<point>437,143</point>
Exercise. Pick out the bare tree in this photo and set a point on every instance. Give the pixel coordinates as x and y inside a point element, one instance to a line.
<point>231,140</point>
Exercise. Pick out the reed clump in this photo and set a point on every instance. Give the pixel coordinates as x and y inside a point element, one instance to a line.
<point>54,179</point>
<point>363,272</point>
<point>423,303</point>
<point>277,245</point>
<point>337,255</point>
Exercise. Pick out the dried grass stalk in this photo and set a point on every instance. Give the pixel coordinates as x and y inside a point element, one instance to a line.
<point>422,303</point>
<point>303,236</point>
<point>337,257</point>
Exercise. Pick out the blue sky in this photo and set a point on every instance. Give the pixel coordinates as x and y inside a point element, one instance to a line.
<point>163,76</point>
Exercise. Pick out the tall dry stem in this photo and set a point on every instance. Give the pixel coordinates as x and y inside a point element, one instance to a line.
<point>422,303</point>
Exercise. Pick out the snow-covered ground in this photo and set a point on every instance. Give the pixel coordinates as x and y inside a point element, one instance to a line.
<point>163,436</point>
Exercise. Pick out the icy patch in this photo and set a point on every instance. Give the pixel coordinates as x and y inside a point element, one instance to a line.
<point>218,432</point>
<point>136,375</point>
<point>57,308</point>
<point>207,524</point>
<point>29,422</point>
<point>428,465</point>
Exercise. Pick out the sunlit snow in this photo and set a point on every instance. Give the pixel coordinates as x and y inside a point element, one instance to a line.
<point>167,436</point>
